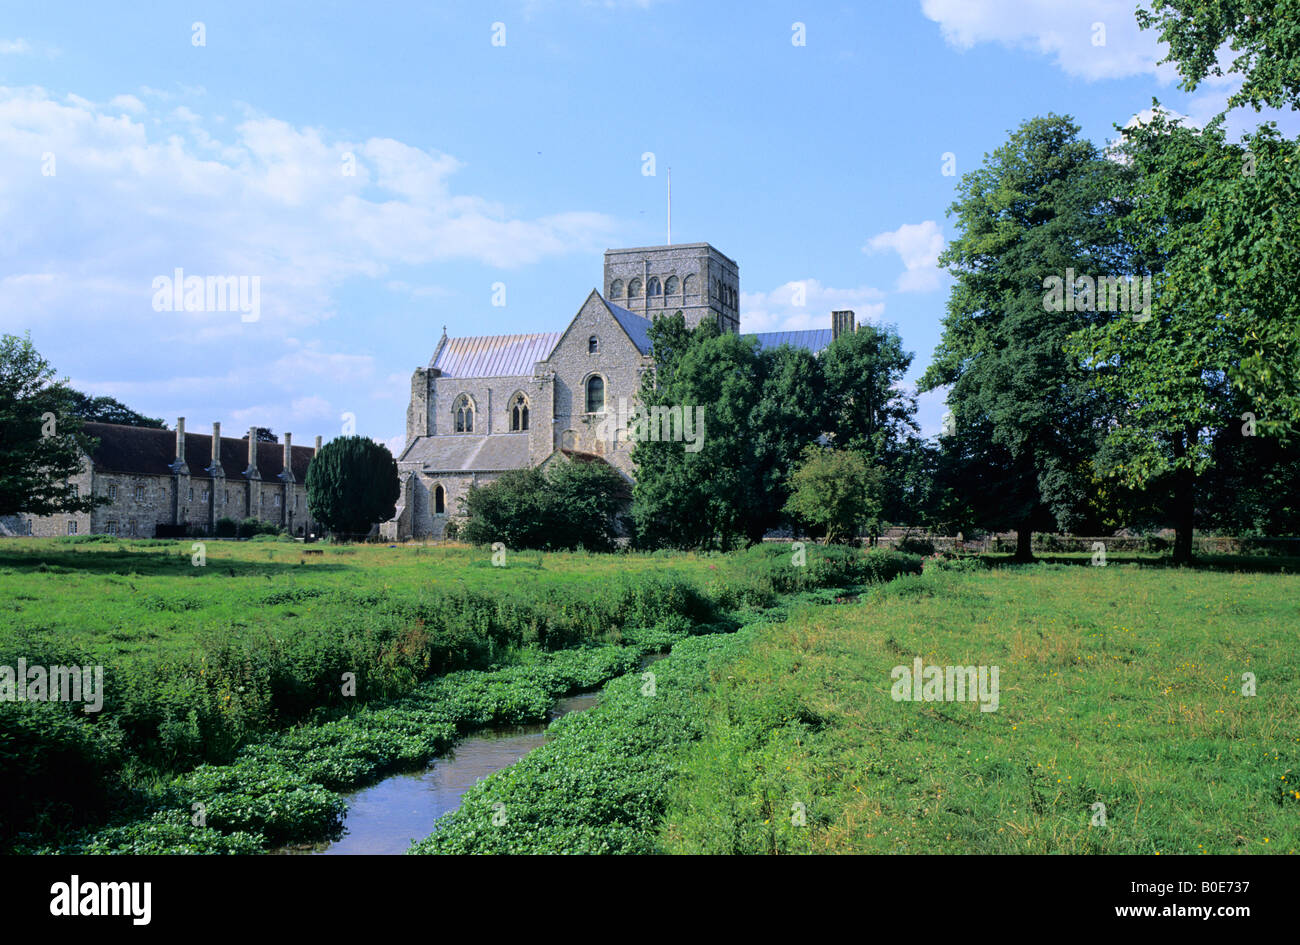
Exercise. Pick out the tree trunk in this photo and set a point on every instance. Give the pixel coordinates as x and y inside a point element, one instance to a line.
<point>1184,503</point>
<point>1025,543</point>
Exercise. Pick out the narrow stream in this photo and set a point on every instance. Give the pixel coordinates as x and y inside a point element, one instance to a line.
<point>385,817</point>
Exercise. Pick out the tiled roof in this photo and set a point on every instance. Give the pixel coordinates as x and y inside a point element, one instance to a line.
<point>813,339</point>
<point>467,452</point>
<point>636,326</point>
<point>149,452</point>
<point>494,355</point>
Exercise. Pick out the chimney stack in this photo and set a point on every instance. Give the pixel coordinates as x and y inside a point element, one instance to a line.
<point>842,323</point>
<point>251,471</point>
<point>288,454</point>
<point>180,439</point>
<point>216,445</point>
<point>317,446</point>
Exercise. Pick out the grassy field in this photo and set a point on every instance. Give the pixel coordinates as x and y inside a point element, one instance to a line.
<point>204,661</point>
<point>147,598</point>
<point>1119,685</point>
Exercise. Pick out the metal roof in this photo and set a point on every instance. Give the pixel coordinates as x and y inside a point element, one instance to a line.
<point>494,355</point>
<point>812,339</point>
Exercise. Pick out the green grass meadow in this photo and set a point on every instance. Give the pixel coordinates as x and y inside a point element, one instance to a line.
<point>1120,685</point>
<point>772,728</point>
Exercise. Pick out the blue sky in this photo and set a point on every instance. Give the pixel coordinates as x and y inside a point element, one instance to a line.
<point>127,151</point>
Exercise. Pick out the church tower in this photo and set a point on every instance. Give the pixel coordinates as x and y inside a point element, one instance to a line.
<point>692,278</point>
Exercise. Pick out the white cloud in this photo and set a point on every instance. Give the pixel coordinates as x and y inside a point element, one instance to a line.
<point>128,103</point>
<point>144,185</point>
<point>14,47</point>
<point>1067,31</point>
<point>919,245</point>
<point>781,308</point>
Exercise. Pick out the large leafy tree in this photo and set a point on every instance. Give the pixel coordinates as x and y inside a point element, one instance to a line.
<point>352,484</point>
<point>42,443</point>
<point>790,414</point>
<point>867,408</point>
<point>572,505</point>
<point>870,410</point>
<point>1263,36</point>
<point>706,498</point>
<point>1183,378</point>
<point>1026,415</point>
<point>104,410</point>
<point>1248,196</point>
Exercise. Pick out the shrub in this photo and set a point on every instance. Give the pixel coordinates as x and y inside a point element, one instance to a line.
<point>58,769</point>
<point>575,505</point>
<point>352,484</point>
<point>227,527</point>
<point>169,831</point>
<point>252,527</point>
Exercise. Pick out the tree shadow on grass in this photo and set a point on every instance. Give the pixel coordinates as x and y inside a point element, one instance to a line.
<point>1244,564</point>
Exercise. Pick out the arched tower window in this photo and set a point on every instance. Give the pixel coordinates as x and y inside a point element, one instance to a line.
<point>593,345</point>
<point>634,289</point>
<point>652,288</point>
<point>519,413</point>
<point>439,501</point>
<point>616,289</point>
<point>690,286</point>
<point>671,286</point>
<point>595,394</point>
<point>463,412</point>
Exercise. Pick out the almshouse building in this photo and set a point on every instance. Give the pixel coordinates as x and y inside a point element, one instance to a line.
<point>172,481</point>
<point>491,403</point>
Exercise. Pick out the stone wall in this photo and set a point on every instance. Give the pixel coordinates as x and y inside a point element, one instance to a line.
<point>617,360</point>
<point>138,503</point>
<point>715,293</point>
<point>490,396</point>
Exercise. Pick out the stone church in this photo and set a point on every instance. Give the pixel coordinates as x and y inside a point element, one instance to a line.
<point>491,403</point>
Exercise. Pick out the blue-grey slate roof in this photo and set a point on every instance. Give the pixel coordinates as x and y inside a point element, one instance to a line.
<point>813,339</point>
<point>636,326</point>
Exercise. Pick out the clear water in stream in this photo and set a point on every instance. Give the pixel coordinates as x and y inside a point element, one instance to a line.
<point>385,817</point>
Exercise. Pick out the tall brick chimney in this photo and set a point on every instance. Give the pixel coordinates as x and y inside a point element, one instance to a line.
<point>842,323</point>
<point>317,446</point>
